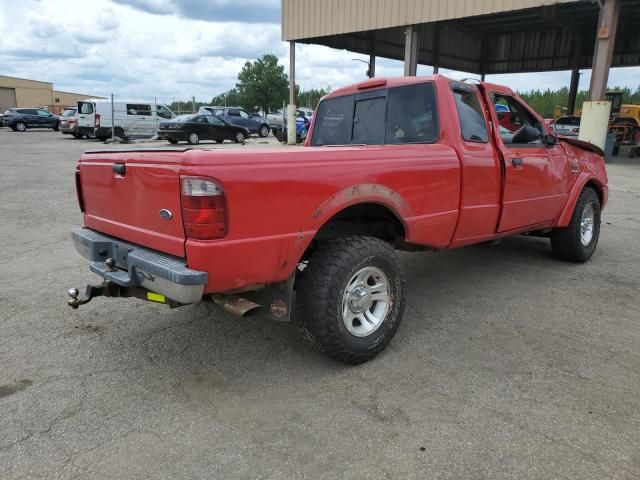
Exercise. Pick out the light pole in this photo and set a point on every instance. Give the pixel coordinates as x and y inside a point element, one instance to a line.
<point>365,62</point>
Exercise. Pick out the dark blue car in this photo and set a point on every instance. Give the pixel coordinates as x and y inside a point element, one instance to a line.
<point>19,119</point>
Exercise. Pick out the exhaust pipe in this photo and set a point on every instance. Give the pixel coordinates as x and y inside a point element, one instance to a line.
<point>235,305</point>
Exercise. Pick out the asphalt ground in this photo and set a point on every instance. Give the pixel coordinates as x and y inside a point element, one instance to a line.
<point>508,364</point>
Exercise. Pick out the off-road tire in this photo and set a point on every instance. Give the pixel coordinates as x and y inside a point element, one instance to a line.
<point>320,290</point>
<point>566,243</point>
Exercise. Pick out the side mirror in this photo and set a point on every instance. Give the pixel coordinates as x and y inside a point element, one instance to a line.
<point>550,139</point>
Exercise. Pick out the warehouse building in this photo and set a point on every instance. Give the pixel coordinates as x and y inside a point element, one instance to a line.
<point>20,92</point>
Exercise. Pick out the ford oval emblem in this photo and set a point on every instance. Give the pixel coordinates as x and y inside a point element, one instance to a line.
<point>166,214</point>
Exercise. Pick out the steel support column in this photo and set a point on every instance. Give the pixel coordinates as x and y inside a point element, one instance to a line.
<point>372,54</point>
<point>291,109</point>
<point>411,51</point>
<point>436,48</point>
<point>575,74</point>
<point>605,41</point>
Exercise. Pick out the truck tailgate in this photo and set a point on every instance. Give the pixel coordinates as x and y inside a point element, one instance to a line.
<point>135,196</point>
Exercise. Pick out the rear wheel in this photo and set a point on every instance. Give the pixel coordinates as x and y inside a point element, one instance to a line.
<point>21,126</point>
<point>193,139</point>
<point>578,241</point>
<point>172,141</point>
<point>240,137</point>
<point>264,131</point>
<point>56,127</point>
<point>219,140</point>
<point>77,135</point>
<point>350,298</point>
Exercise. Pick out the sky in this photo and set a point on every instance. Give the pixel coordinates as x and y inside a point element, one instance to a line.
<point>177,49</point>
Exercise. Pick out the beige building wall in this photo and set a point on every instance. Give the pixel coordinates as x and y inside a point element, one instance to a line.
<point>317,18</point>
<point>33,93</point>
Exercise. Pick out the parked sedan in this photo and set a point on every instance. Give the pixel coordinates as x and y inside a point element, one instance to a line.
<point>19,119</point>
<point>196,127</point>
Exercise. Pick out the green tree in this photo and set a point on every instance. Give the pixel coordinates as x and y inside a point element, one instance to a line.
<point>230,98</point>
<point>263,83</point>
<point>310,98</point>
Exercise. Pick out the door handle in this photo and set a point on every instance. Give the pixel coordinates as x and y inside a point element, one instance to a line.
<point>516,162</point>
<point>118,168</point>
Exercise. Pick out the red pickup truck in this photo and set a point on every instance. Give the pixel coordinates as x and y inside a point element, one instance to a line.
<point>311,233</point>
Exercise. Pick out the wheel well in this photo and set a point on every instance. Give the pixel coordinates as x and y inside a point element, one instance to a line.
<point>595,187</point>
<point>366,219</point>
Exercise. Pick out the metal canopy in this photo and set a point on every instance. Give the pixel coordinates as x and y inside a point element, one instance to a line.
<point>552,37</point>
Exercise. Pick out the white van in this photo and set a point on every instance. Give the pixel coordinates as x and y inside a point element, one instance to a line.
<point>132,119</point>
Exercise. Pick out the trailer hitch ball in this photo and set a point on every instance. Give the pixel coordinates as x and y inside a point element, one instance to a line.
<point>73,297</point>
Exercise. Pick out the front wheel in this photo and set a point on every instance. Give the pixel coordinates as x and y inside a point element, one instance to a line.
<point>77,135</point>
<point>172,141</point>
<point>193,139</point>
<point>350,298</point>
<point>578,241</point>
<point>56,127</point>
<point>264,131</point>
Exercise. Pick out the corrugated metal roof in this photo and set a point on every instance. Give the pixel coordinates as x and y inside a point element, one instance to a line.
<point>541,38</point>
<point>302,19</point>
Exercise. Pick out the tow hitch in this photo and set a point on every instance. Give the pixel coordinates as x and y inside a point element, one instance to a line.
<point>110,289</point>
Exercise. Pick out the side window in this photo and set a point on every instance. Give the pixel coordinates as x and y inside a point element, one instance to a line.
<point>215,121</point>
<point>334,122</point>
<point>517,126</point>
<point>243,114</point>
<point>143,110</point>
<point>162,112</point>
<point>43,113</point>
<point>412,114</point>
<point>233,112</point>
<point>472,121</point>
<point>86,108</point>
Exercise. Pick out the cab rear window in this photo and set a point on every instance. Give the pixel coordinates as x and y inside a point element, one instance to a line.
<point>398,115</point>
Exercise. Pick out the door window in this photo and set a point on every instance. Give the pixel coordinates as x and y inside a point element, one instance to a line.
<point>519,126</point>
<point>243,114</point>
<point>43,113</point>
<point>234,112</point>
<point>163,112</point>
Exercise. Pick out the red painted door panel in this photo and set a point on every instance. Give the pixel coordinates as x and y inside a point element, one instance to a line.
<point>534,173</point>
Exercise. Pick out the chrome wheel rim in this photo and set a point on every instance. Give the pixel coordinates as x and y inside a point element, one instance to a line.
<point>587,224</point>
<point>366,300</point>
<point>21,127</point>
<point>193,138</point>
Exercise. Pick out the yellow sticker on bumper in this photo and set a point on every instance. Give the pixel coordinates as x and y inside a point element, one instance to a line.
<point>155,297</point>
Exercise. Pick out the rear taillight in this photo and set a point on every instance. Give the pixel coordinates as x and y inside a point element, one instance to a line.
<point>204,208</point>
<point>97,120</point>
<point>575,130</point>
<point>79,190</point>
<point>71,120</point>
